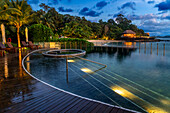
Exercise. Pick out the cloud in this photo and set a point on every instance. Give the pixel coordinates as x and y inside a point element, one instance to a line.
<point>142,17</point>
<point>163,12</point>
<point>155,27</point>
<point>151,2</point>
<point>165,16</point>
<point>61,9</point>
<point>87,12</point>
<point>155,23</point>
<point>33,1</point>
<point>101,4</point>
<point>130,5</point>
<point>162,16</point>
<point>163,5</point>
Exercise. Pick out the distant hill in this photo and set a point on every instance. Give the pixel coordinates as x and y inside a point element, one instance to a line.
<point>163,36</point>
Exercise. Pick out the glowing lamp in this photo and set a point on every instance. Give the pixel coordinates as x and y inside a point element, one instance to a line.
<point>70,60</point>
<point>86,70</point>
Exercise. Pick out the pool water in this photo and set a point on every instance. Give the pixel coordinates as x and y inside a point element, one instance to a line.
<point>137,79</point>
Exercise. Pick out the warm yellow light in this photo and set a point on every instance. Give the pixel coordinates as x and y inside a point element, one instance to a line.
<point>70,60</point>
<point>149,107</point>
<point>155,110</point>
<point>128,43</point>
<point>123,92</point>
<point>6,67</point>
<point>86,70</point>
<point>118,91</point>
<point>166,102</point>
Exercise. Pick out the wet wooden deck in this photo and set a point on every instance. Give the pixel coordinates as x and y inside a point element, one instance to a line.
<point>20,93</point>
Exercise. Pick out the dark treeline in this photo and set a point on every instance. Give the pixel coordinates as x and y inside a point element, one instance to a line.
<point>77,27</point>
<point>74,26</point>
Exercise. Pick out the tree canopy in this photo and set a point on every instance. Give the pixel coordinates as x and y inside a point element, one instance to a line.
<point>79,27</point>
<point>62,25</point>
<point>20,16</point>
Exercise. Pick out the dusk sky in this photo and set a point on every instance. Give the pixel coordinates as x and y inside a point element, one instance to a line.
<point>152,16</point>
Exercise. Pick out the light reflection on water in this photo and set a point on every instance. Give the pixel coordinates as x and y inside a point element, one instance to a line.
<point>140,76</point>
<point>15,84</point>
<point>6,67</point>
<point>139,101</point>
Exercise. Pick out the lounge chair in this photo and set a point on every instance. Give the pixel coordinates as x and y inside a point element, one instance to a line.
<point>24,44</point>
<point>31,44</point>
<point>11,46</point>
<point>27,45</point>
<point>2,47</point>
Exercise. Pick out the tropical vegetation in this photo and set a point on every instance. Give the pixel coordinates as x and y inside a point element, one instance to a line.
<point>47,22</point>
<point>40,32</point>
<point>23,16</point>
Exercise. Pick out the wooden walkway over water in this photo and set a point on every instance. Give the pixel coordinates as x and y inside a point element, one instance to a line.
<point>20,93</point>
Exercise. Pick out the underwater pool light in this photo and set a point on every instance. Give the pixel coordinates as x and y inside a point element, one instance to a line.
<point>118,91</point>
<point>86,70</point>
<point>135,99</point>
<point>71,60</point>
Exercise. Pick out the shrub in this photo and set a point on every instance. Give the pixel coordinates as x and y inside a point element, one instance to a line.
<point>40,33</point>
<point>71,40</point>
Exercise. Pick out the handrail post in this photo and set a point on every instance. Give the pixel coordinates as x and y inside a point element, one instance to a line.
<point>67,69</point>
<point>70,45</point>
<point>65,45</point>
<point>86,46</point>
<point>164,50</point>
<point>151,48</point>
<point>139,47</point>
<point>157,49</point>
<point>145,47</point>
<point>80,45</point>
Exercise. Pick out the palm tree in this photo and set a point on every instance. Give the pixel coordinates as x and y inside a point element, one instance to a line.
<point>24,16</point>
<point>4,9</point>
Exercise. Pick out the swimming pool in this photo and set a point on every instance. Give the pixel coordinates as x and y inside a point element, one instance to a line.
<point>136,79</point>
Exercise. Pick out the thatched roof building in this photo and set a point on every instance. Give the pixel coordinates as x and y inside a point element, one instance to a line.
<point>129,32</point>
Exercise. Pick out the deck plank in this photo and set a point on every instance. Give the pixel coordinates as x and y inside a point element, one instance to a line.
<point>120,111</point>
<point>76,106</point>
<point>61,107</point>
<point>108,109</point>
<point>102,109</point>
<point>48,103</point>
<point>91,108</point>
<point>87,106</point>
<point>58,103</point>
<point>70,106</point>
<point>30,105</point>
<point>97,108</point>
<point>114,110</point>
<point>81,106</point>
